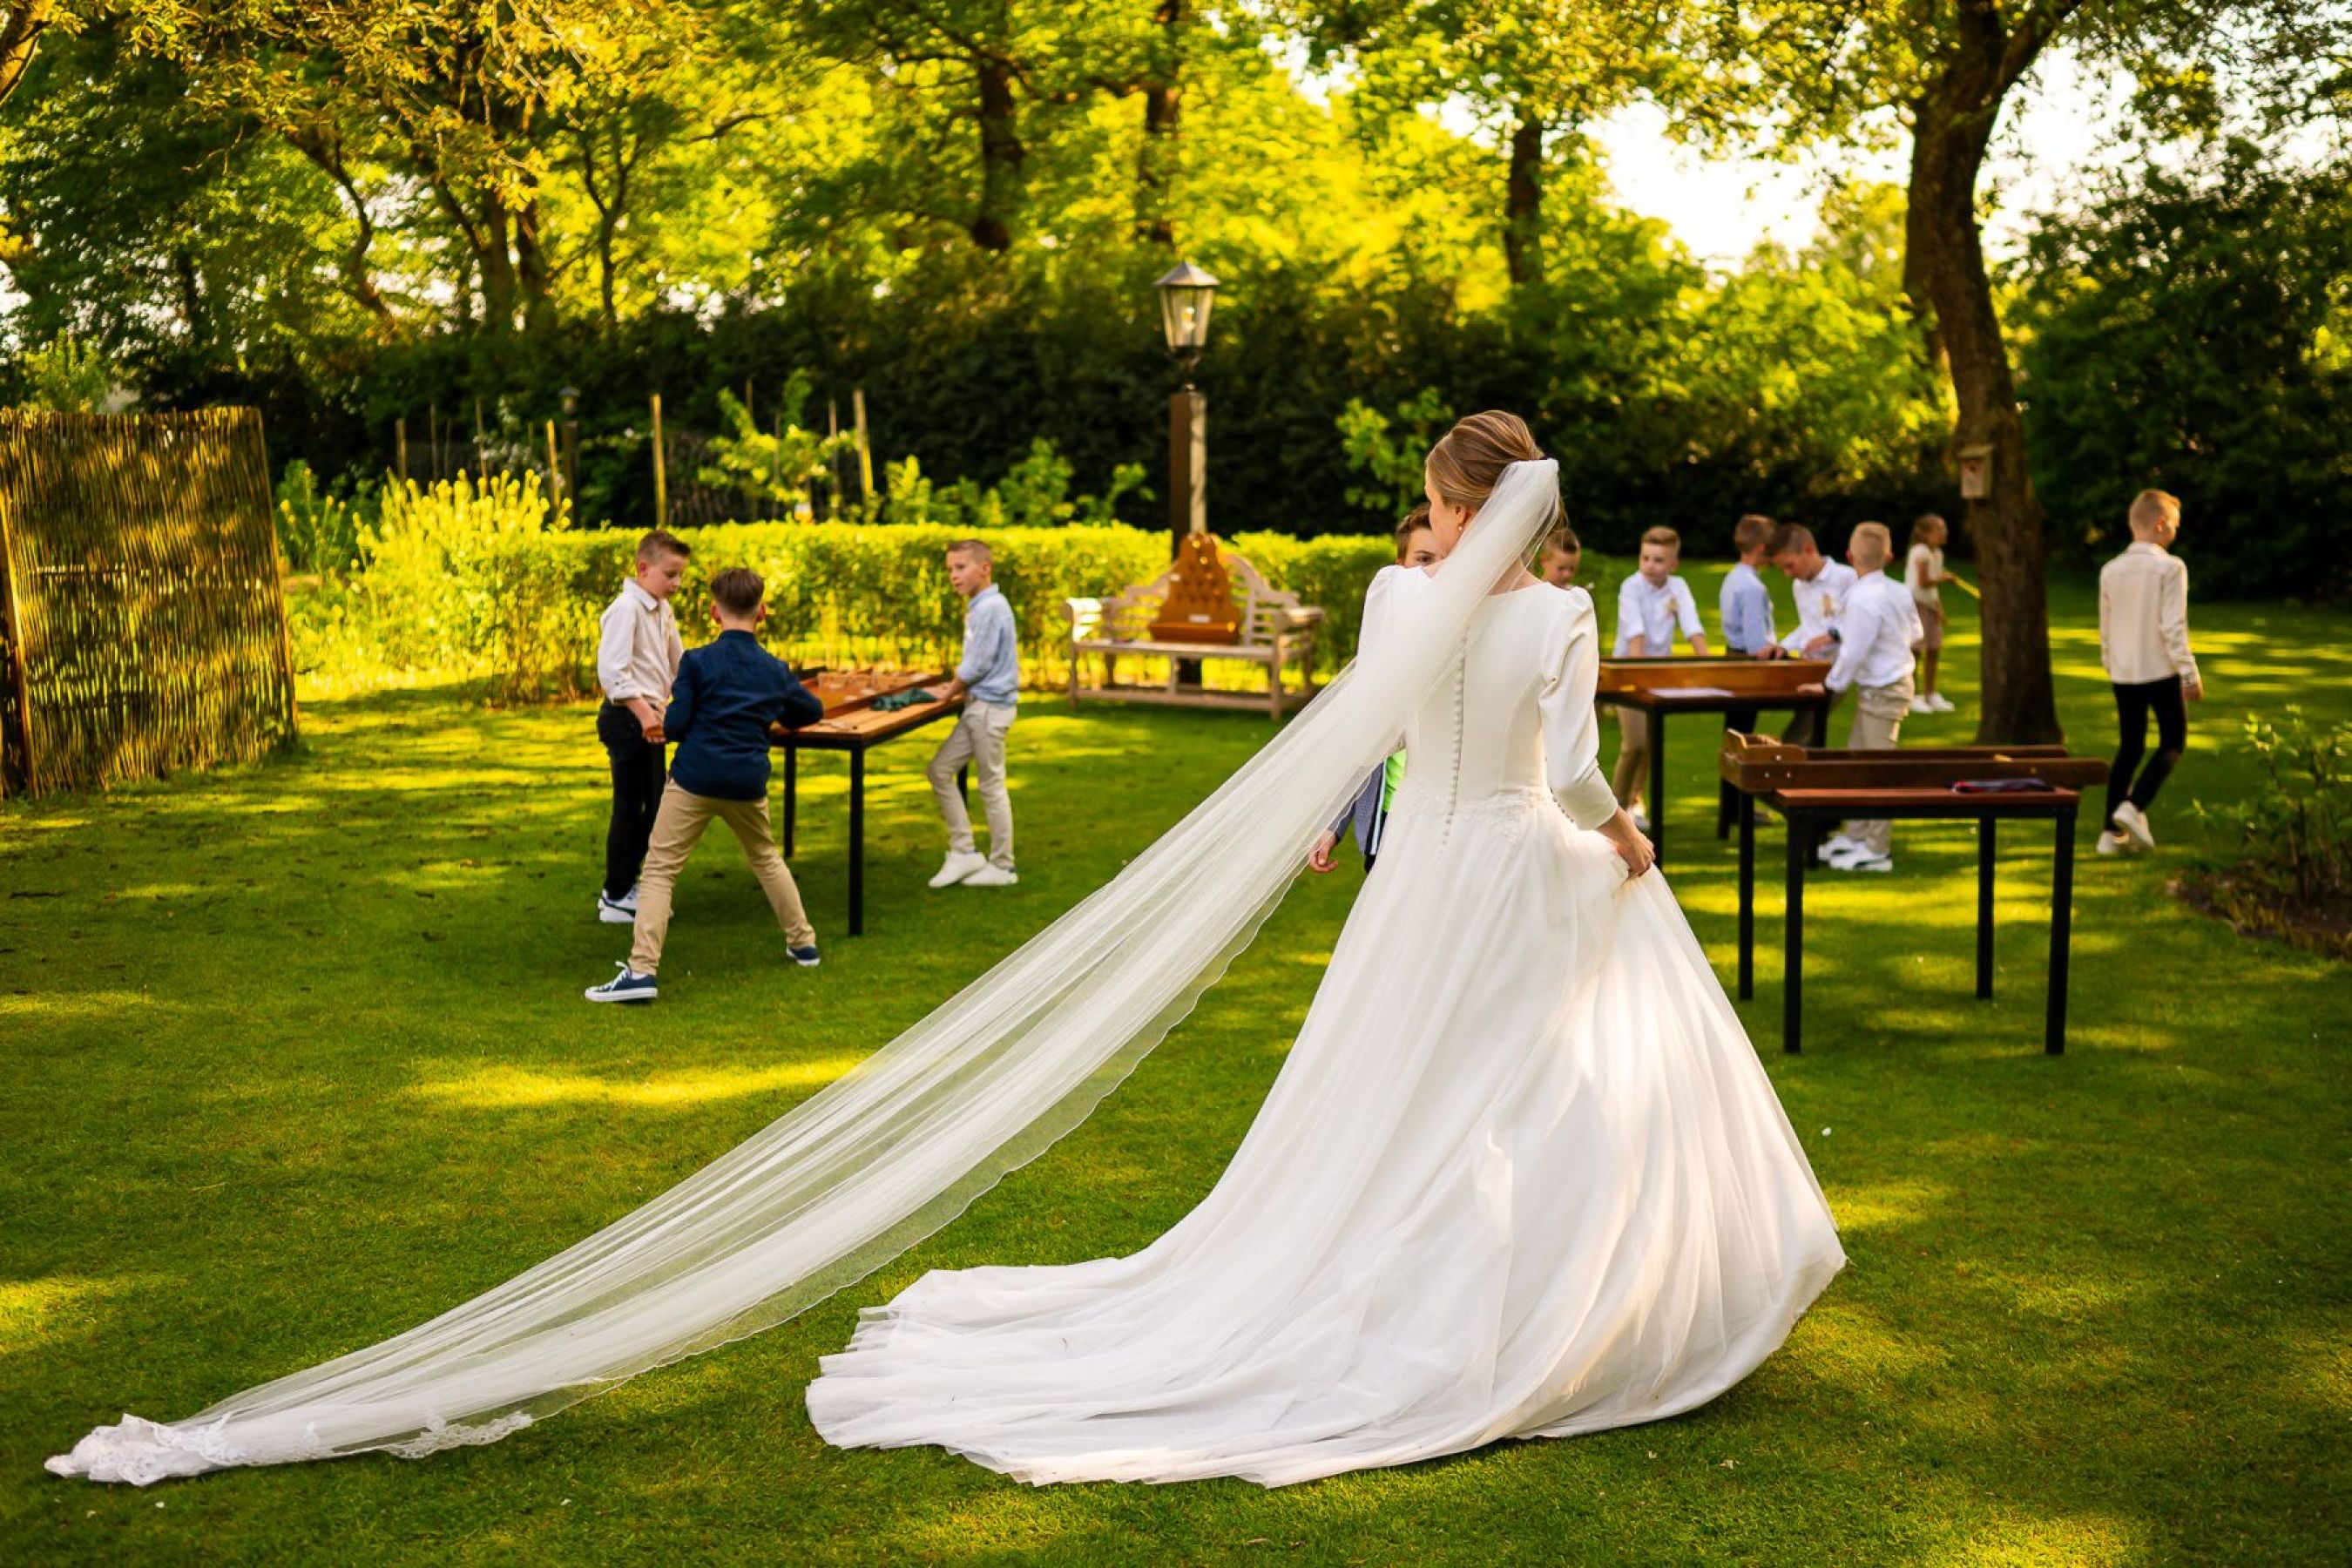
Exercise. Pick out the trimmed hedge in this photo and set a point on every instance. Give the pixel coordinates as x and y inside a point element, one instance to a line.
<point>516,602</point>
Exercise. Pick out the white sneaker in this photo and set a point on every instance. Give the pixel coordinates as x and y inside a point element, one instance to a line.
<point>2111,844</point>
<point>1861,860</point>
<point>990,876</point>
<point>2134,824</point>
<point>1922,705</point>
<point>1939,703</point>
<point>958,867</point>
<point>1837,844</point>
<point>620,911</point>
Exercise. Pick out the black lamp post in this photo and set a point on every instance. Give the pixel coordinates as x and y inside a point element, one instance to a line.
<point>571,395</point>
<point>1186,296</point>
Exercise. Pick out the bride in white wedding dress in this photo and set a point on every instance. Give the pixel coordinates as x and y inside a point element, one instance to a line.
<point>1521,1174</point>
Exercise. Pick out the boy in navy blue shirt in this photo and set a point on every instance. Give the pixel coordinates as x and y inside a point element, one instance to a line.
<point>728,692</point>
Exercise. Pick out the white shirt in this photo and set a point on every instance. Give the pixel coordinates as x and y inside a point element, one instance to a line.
<point>2144,617</point>
<point>1876,626</point>
<point>1920,569</point>
<point>1817,603</point>
<point>638,647</point>
<point>1651,612</point>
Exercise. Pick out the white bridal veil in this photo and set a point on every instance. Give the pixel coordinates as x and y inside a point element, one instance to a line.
<point>899,1145</point>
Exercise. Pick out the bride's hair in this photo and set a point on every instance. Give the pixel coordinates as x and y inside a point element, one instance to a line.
<point>1468,460</point>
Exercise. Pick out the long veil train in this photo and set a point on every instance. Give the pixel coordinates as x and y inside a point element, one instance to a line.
<point>896,1147</point>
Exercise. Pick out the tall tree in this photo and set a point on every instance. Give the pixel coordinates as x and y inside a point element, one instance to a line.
<point>1531,73</point>
<point>1947,68</point>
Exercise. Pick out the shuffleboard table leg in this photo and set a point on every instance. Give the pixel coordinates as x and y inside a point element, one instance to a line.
<point>1792,988</point>
<point>1984,846</point>
<point>792,794</point>
<point>1747,896</point>
<point>857,841</point>
<point>1658,785</point>
<point>2061,922</point>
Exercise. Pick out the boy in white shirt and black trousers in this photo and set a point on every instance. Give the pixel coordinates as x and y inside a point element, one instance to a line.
<point>1651,604</point>
<point>637,651</point>
<point>1876,626</point>
<point>2144,644</point>
<point>1819,585</point>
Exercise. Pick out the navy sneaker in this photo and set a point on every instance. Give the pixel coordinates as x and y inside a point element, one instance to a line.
<point>804,956</point>
<point>626,986</point>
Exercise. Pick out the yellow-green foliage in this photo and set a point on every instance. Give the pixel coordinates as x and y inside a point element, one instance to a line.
<point>481,583</point>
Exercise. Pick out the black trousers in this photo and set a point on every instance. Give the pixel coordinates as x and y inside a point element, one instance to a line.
<point>640,768</point>
<point>2133,705</point>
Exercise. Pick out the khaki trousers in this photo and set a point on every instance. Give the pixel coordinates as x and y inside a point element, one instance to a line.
<point>676,828</point>
<point>1631,778</point>
<point>1877,724</point>
<point>979,739</point>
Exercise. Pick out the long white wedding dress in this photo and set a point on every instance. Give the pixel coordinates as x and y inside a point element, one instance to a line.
<point>1521,1174</point>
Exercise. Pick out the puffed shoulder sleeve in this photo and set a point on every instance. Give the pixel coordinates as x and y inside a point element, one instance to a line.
<point>1571,729</point>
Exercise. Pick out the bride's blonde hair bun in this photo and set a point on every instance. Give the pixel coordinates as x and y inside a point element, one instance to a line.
<point>1468,460</point>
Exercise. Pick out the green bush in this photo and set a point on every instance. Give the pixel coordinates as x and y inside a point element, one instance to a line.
<point>485,583</point>
<point>2295,828</point>
<point>318,528</point>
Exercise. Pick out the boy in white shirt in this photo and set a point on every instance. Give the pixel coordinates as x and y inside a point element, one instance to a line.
<point>638,650</point>
<point>1875,628</point>
<point>2144,644</point>
<point>1650,606</point>
<point>1922,573</point>
<point>1819,585</point>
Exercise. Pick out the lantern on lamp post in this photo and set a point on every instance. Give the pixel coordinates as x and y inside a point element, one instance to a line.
<point>1186,294</point>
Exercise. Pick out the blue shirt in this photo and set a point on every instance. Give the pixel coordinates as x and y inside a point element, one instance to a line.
<point>990,669</point>
<point>728,693</point>
<point>1747,612</point>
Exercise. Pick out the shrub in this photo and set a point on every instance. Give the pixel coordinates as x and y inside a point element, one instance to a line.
<point>318,530</point>
<point>2294,878</point>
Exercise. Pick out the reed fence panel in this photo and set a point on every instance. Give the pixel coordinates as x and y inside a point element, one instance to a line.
<point>144,615</point>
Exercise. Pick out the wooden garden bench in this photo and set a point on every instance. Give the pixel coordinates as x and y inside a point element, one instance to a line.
<point>1269,627</point>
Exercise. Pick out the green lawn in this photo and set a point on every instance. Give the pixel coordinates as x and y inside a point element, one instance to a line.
<point>295,1058</point>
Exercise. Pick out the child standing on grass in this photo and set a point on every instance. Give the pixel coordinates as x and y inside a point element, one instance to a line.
<point>1650,605</point>
<point>1416,547</point>
<point>2144,644</point>
<point>989,676</point>
<point>1923,569</point>
<point>728,692</point>
<point>637,653</point>
<point>1562,554</point>
<point>1877,626</point>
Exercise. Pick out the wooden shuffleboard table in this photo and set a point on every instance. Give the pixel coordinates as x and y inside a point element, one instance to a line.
<point>1813,789</point>
<point>1722,685</point>
<point>852,724</point>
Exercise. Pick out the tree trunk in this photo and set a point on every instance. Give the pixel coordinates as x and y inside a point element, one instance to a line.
<point>1001,156</point>
<point>1945,263</point>
<point>1522,201</point>
<point>21,26</point>
<point>1164,107</point>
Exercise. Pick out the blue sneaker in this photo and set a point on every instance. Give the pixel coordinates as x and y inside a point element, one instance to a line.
<point>804,956</point>
<point>626,986</point>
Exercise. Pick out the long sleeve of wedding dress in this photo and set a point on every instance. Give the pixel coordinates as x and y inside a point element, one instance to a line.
<point>1520,1175</point>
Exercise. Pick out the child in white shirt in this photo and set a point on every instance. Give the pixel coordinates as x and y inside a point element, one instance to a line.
<point>2144,644</point>
<point>1819,584</point>
<point>1923,572</point>
<point>1877,627</point>
<point>637,653</point>
<point>1651,604</point>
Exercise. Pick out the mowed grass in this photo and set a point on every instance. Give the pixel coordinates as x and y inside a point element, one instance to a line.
<point>295,1059</point>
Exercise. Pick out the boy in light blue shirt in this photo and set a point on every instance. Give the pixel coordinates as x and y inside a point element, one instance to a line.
<point>989,676</point>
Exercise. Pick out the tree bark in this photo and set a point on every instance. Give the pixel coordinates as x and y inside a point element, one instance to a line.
<point>1164,107</point>
<point>21,26</point>
<point>1001,156</point>
<point>1944,266</point>
<point>1522,201</point>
